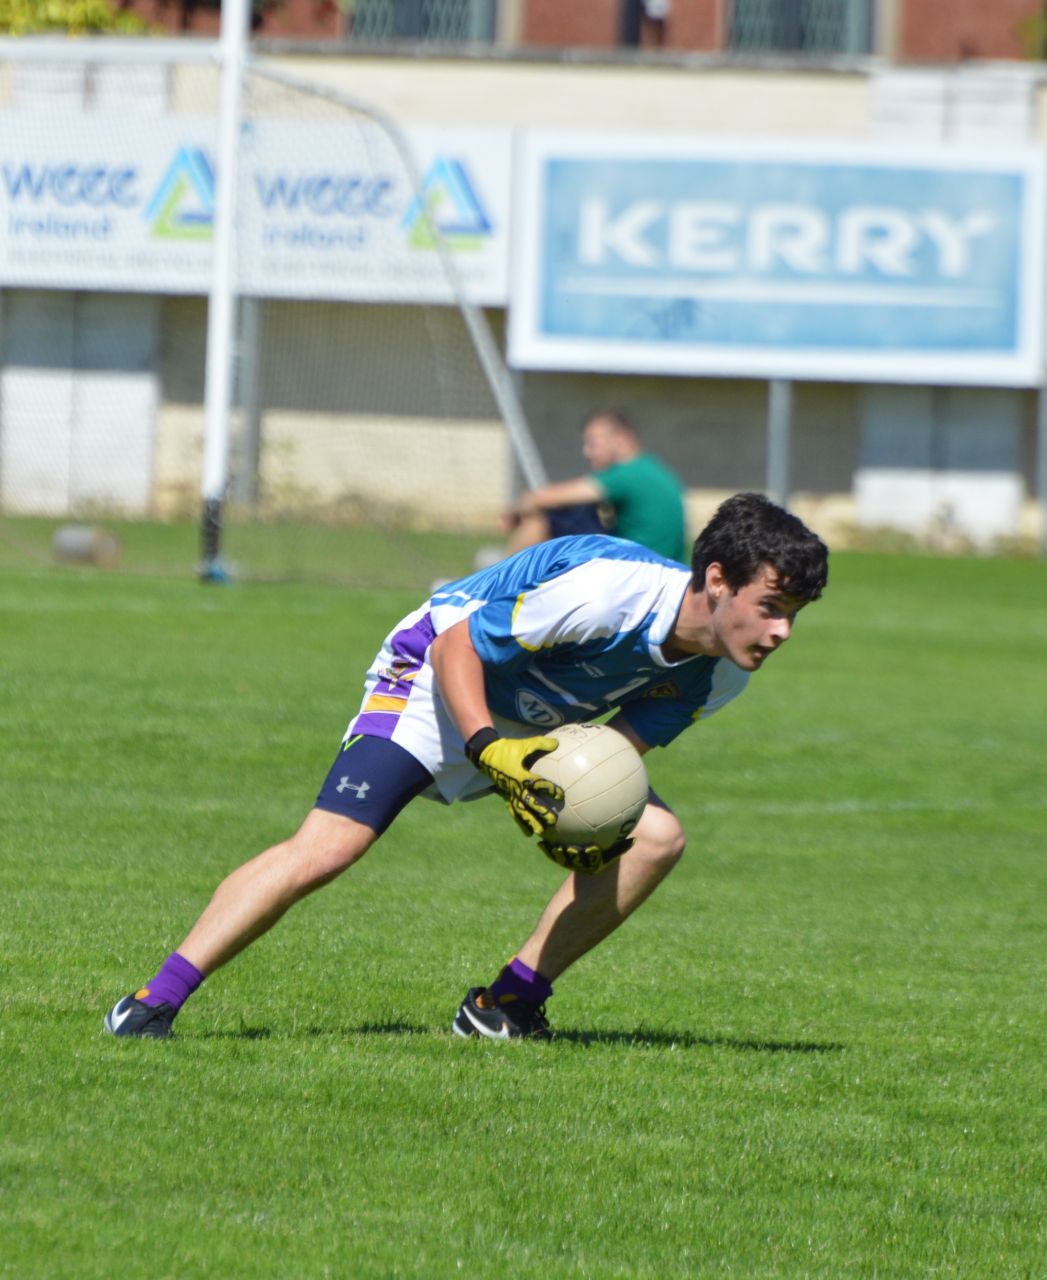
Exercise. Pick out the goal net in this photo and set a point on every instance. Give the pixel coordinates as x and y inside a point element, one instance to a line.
<point>375,434</point>
<point>372,395</point>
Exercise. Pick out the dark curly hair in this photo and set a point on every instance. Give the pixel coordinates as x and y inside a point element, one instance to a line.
<point>749,531</point>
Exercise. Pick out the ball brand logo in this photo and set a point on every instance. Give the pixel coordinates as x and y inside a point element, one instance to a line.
<point>182,206</point>
<point>449,197</point>
<point>534,710</point>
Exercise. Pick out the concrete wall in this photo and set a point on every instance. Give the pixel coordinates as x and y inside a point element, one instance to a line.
<point>676,97</point>
<point>361,409</point>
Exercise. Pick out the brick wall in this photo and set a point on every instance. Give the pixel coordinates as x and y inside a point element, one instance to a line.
<point>289,19</point>
<point>948,30</point>
<point>696,24</point>
<point>927,30</point>
<point>692,24</point>
<point>593,24</point>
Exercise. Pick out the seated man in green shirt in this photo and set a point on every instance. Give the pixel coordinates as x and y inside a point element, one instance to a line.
<point>645,496</point>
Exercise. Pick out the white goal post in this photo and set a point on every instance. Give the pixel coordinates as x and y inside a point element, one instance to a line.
<point>235,62</point>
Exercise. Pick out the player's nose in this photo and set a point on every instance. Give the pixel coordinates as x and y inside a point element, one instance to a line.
<point>781,630</point>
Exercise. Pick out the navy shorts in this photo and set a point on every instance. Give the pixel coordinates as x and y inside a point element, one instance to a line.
<point>371,780</point>
<point>654,798</point>
<point>564,521</point>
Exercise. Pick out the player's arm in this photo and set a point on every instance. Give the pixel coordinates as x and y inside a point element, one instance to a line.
<point>550,497</point>
<point>623,726</point>
<point>460,675</point>
<point>506,761</point>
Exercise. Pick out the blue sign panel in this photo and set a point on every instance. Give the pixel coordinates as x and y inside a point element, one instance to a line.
<point>781,264</point>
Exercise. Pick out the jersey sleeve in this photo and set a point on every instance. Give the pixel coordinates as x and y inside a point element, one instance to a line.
<point>661,714</point>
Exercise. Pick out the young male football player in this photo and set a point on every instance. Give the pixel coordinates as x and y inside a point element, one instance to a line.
<point>468,689</point>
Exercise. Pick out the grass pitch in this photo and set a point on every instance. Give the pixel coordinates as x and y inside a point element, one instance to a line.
<point>819,1050</point>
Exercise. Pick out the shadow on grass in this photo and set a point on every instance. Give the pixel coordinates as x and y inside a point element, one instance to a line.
<point>365,1029</point>
<point>686,1040</point>
<point>243,1033</point>
<point>640,1038</point>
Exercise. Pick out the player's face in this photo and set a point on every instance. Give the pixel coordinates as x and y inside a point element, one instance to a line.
<point>751,623</point>
<point>600,444</point>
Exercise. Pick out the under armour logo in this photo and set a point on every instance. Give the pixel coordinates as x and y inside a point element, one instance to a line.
<point>361,788</point>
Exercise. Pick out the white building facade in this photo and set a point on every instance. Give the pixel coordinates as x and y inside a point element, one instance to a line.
<point>871,238</point>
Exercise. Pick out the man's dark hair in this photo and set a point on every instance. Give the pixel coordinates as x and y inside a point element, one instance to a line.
<point>749,531</point>
<point>620,419</point>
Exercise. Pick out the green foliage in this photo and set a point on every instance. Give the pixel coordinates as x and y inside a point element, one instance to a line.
<point>75,17</point>
<point>817,1051</point>
<point>1032,34</point>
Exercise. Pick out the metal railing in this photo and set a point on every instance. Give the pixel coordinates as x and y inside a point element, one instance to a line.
<point>801,26</point>
<point>450,21</point>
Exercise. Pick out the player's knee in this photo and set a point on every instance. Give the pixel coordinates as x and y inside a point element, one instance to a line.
<point>668,850</point>
<point>660,839</point>
<point>324,846</point>
<point>675,846</point>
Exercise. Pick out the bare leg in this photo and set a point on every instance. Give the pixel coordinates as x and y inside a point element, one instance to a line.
<point>585,909</point>
<point>252,898</point>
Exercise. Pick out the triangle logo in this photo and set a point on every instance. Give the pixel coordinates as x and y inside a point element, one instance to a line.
<point>182,206</point>
<point>453,207</point>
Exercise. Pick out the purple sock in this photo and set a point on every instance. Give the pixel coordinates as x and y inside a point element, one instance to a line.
<point>173,985</point>
<point>519,982</point>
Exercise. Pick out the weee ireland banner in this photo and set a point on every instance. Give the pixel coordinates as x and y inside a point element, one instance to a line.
<point>686,256</point>
<point>324,211</point>
<point>330,212</point>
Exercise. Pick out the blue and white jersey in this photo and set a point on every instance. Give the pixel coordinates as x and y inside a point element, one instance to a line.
<point>570,629</point>
<point>567,631</point>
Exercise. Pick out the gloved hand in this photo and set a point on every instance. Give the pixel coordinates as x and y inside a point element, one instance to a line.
<point>507,761</point>
<point>589,859</point>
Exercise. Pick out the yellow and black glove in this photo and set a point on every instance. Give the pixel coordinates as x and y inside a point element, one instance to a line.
<point>589,859</point>
<point>507,761</point>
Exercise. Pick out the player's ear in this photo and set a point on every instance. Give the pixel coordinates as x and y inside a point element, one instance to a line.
<point>715,582</point>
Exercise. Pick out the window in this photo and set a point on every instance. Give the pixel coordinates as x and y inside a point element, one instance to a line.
<point>376,21</point>
<point>806,26</point>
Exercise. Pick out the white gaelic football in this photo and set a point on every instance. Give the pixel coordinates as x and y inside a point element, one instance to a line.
<point>604,784</point>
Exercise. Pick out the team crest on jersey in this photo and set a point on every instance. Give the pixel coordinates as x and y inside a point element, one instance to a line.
<point>667,689</point>
<point>400,671</point>
<point>534,710</point>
